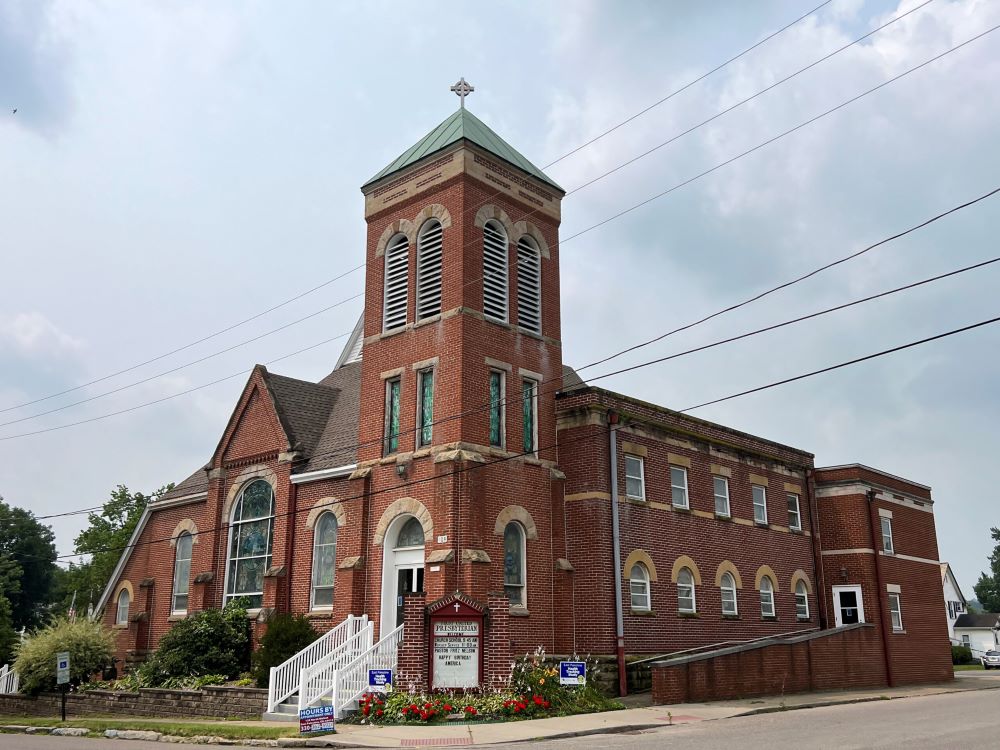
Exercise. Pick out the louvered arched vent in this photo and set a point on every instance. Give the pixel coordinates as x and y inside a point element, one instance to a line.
<point>397,271</point>
<point>429,270</point>
<point>529,285</point>
<point>494,272</point>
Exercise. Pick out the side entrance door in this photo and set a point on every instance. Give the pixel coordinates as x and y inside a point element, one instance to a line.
<point>849,608</point>
<point>409,580</point>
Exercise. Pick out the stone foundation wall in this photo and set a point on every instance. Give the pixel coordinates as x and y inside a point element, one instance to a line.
<point>210,703</point>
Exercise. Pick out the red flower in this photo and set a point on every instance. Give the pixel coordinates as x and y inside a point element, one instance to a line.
<point>546,704</point>
<point>538,700</point>
<point>448,708</point>
<point>379,712</point>
<point>365,710</point>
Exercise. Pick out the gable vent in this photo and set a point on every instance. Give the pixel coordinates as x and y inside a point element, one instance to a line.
<point>429,270</point>
<point>529,285</point>
<point>494,272</point>
<point>397,271</point>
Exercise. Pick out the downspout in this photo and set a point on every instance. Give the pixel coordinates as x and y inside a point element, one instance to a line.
<point>617,554</point>
<point>880,589</point>
<point>818,573</point>
<point>293,503</point>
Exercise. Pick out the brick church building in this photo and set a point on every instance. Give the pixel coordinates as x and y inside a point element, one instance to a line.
<point>450,456</point>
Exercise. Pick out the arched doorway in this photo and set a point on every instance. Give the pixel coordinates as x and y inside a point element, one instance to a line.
<point>402,569</point>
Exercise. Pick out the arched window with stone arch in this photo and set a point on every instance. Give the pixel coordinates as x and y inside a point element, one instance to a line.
<point>514,566</point>
<point>766,597</point>
<point>397,282</point>
<point>529,285</point>
<point>638,586</point>
<point>429,267</point>
<point>124,600</point>
<point>251,528</point>
<point>324,561</point>
<point>801,600</point>
<point>182,573</point>
<point>727,588</point>
<point>685,591</point>
<point>495,271</point>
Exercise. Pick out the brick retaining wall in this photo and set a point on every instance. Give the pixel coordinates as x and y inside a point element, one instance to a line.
<point>849,657</point>
<point>209,703</point>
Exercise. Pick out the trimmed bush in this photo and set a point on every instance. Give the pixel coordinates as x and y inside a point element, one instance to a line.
<point>89,643</point>
<point>209,642</point>
<point>286,635</point>
<point>961,655</point>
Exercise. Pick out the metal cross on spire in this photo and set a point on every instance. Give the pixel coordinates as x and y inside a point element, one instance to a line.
<point>463,89</point>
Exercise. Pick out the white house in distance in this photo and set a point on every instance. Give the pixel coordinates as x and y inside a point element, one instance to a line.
<point>980,632</point>
<point>954,601</point>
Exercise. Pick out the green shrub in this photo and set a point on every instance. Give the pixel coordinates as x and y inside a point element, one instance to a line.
<point>209,642</point>
<point>89,643</point>
<point>286,635</point>
<point>961,655</point>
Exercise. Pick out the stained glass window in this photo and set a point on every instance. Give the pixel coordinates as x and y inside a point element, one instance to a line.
<point>513,563</point>
<point>496,408</point>
<point>392,416</point>
<point>182,572</point>
<point>324,560</point>
<point>425,408</point>
<point>411,535</point>
<point>529,393</point>
<point>250,532</point>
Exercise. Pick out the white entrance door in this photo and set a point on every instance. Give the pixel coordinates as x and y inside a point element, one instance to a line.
<point>848,606</point>
<point>402,570</point>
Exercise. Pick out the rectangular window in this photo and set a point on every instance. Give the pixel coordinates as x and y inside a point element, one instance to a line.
<point>721,496</point>
<point>729,601</point>
<point>887,535</point>
<point>678,487</point>
<point>794,517</point>
<point>529,393</point>
<point>635,484</point>
<point>425,407</point>
<point>895,612</point>
<point>759,503</point>
<point>966,641</point>
<point>497,402</point>
<point>392,415</point>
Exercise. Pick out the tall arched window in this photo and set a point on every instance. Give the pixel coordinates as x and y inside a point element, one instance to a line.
<point>250,532</point>
<point>766,597</point>
<point>397,279</point>
<point>685,591</point>
<point>121,616</point>
<point>429,269</point>
<point>324,560</point>
<point>495,272</point>
<point>728,589</point>
<point>513,564</point>
<point>638,586</point>
<point>182,573</point>
<point>529,285</point>
<point>801,600</point>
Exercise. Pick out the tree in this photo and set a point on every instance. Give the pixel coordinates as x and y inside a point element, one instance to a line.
<point>27,565</point>
<point>988,586</point>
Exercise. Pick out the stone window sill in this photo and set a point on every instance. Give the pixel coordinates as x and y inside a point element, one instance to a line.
<point>120,626</point>
<point>898,632</point>
<point>804,619</point>
<point>769,618</point>
<point>680,508</point>
<point>793,530</point>
<point>177,616</point>
<point>723,517</point>
<point>643,612</point>
<point>688,615</point>
<point>518,611</point>
<point>731,617</point>
<point>761,524</point>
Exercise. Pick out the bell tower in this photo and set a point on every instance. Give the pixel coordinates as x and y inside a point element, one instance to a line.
<point>461,360</point>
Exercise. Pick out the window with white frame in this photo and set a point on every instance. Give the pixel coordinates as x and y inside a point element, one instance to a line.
<point>766,597</point>
<point>801,601</point>
<point>895,611</point>
<point>728,590</point>
<point>324,560</point>
<point>887,545</point>
<point>685,591</point>
<point>529,424</point>
<point>124,599</point>
<point>498,383</point>
<point>679,487</point>
<point>513,564</point>
<point>529,285</point>
<point>635,484</point>
<point>429,258</point>
<point>794,517</point>
<point>251,529</point>
<point>759,503</point>
<point>425,407</point>
<point>721,487</point>
<point>966,641</point>
<point>182,573</point>
<point>638,585</point>
<point>397,282</point>
<point>495,261</point>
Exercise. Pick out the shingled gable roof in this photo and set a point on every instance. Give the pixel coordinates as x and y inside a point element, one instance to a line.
<point>462,125</point>
<point>981,620</point>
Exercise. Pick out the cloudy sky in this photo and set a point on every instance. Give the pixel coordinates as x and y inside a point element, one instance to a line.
<point>174,168</point>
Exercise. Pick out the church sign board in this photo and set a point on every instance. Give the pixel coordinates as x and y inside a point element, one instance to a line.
<point>456,643</point>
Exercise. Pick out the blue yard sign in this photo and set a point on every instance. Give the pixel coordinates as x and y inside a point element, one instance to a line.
<point>318,719</point>
<point>573,673</point>
<point>380,680</point>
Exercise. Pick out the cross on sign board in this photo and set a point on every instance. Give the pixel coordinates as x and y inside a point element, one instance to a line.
<point>457,607</point>
<point>463,89</point>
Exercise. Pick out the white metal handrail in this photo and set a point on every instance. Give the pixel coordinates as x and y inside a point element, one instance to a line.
<point>316,679</point>
<point>351,681</point>
<point>285,677</point>
<point>9,680</point>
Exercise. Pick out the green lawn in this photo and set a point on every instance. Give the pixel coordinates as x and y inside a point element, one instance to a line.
<point>967,667</point>
<point>227,730</point>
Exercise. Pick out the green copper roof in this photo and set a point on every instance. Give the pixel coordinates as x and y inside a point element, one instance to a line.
<point>462,124</point>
